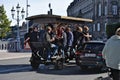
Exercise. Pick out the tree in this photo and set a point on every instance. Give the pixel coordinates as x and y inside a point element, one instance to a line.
<point>4,23</point>
<point>111,28</point>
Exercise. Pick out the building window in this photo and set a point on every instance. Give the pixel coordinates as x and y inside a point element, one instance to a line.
<point>114,9</point>
<point>105,26</point>
<point>106,10</point>
<point>93,27</point>
<point>99,10</point>
<point>98,26</point>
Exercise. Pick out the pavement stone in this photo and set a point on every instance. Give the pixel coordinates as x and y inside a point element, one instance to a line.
<point>12,55</point>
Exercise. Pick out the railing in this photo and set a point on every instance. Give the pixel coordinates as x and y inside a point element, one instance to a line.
<point>10,46</point>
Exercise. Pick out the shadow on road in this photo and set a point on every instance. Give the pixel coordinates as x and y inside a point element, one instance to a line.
<point>4,69</point>
<point>69,69</point>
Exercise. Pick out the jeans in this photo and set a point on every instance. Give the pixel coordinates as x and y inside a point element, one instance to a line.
<point>115,74</point>
<point>52,50</point>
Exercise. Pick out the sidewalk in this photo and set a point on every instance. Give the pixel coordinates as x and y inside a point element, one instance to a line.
<point>12,55</point>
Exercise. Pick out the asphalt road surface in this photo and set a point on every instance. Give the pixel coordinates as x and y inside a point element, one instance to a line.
<point>20,69</point>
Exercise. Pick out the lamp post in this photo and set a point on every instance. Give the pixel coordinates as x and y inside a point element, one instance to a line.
<point>27,5</point>
<point>18,48</point>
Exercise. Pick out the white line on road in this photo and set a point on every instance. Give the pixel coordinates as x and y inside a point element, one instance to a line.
<point>16,69</point>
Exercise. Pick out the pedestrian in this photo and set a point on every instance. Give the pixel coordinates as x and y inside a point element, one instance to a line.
<point>33,38</point>
<point>81,36</point>
<point>64,35</point>
<point>26,36</point>
<point>87,36</point>
<point>30,30</point>
<point>61,40</point>
<point>68,50</point>
<point>59,35</point>
<point>111,54</point>
<point>42,33</point>
<point>78,37</point>
<point>70,37</point>
<point>50,39</point>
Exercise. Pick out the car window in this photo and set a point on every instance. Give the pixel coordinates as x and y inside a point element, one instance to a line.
<point>93,46</point>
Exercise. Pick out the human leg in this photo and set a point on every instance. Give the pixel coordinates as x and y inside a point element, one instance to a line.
<point>55,49</point>
<point>115,74</point>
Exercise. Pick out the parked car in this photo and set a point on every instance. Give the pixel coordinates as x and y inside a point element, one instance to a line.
<point>90,55</point>
<point>10,39</point>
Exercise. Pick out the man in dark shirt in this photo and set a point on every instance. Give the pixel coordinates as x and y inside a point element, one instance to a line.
<point>26,36</point>
<point>33,37</point>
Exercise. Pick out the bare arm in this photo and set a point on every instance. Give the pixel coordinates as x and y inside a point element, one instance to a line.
<point>27,40</point>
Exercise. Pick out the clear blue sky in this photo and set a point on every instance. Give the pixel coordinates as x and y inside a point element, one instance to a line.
<point>37,6</point>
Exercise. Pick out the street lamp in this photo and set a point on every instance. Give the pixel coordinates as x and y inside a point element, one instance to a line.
<point>27,5</point>
<point>18,20</point>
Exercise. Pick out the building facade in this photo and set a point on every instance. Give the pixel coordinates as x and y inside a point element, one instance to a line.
<point>102,12</point>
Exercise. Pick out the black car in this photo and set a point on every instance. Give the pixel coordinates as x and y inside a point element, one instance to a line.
<point>90,55</point>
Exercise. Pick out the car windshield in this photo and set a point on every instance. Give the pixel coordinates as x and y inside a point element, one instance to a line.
<point>93,46</point>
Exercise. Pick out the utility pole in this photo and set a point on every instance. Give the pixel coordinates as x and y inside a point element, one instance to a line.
<point>27,5</point>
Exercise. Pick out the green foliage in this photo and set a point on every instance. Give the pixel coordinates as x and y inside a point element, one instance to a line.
<point>4,23</point>
<point>111,28</point>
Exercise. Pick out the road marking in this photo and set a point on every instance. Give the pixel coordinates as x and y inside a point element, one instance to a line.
<point>16,69</point>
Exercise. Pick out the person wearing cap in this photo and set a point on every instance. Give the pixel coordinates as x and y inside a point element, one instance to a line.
<point>111,54</point>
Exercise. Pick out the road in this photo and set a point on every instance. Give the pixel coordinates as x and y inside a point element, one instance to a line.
<point>20,69</point>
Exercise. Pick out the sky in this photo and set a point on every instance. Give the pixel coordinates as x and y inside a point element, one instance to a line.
<point>36,7</point>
